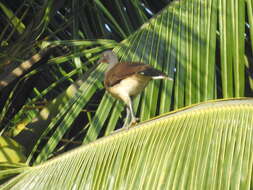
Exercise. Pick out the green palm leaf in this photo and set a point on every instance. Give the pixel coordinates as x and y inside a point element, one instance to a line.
<point>208,146</point>
<point>200,43</point>
<point>181,42</point>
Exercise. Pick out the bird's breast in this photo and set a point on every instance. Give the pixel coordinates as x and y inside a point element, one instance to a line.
<point>130,86</point>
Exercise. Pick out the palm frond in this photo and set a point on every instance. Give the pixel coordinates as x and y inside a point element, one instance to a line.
<point>198,43</point>
<point>204,146</point>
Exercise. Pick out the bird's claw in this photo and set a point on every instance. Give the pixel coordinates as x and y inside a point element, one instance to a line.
<point>134,121</point>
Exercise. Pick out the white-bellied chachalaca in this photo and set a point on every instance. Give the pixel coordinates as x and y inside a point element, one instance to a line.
<point>125,80</point>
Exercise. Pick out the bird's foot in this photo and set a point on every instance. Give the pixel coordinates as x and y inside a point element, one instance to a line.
<point>126,126</point>
<point>134,121</point>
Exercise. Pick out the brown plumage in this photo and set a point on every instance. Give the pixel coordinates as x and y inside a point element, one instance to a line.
<point>125,69</point>
<point>125,80</point>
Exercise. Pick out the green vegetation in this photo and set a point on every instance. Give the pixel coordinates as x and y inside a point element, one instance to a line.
<point>53,100</point>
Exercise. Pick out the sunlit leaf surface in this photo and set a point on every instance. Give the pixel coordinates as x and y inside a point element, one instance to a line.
<point>208,146</point>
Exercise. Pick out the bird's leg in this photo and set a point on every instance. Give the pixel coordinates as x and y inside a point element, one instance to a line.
<point>129,112</point>
<point>133,118</point>
<point>126,123</point>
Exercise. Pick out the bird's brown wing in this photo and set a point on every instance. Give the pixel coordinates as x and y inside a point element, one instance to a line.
<point>125,69</point>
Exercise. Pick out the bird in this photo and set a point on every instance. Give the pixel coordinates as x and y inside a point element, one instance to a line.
<point>125,80</point>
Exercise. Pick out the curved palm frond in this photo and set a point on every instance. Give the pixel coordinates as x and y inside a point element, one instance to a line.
<point>189,40</point>
<point>182,41</point>
<point>204,146</point>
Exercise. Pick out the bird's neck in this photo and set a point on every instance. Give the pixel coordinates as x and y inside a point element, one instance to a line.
<point>110,66</point>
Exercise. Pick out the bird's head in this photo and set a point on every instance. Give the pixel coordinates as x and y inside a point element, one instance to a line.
<point>108,57</point>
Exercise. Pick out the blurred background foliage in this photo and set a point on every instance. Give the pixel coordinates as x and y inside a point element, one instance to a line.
<point>45,47</point>
<point>52,96</point>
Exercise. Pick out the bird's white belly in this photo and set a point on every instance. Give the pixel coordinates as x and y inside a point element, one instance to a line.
<point>129,86</point>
